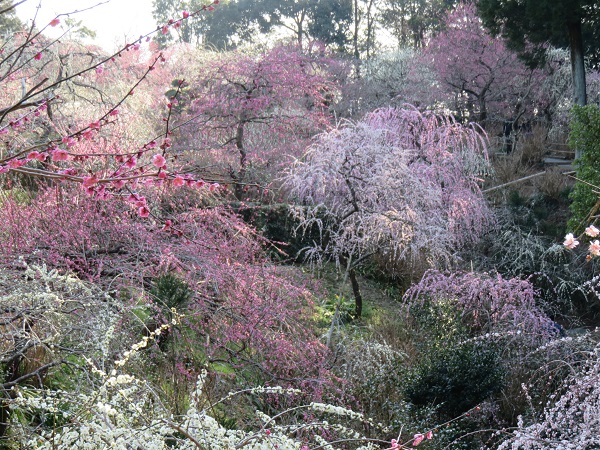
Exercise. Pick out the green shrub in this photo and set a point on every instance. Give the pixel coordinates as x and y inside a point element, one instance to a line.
<point>436,325</point>
<point>277,223</point>
<point>457,377</point>
<point>170,292</point>
<point>585,136</point>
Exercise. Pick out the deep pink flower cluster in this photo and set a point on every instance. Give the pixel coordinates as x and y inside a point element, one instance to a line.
<point>244,311</point>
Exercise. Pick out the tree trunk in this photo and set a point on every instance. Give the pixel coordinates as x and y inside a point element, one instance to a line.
<point>355,38</point>
<point>356,291</point>
<point>300,27</point>
<point>370,29</point>
<point>577,69</point>
<point>241,173</point>
<point>577,63</point>
<point>358,303</point>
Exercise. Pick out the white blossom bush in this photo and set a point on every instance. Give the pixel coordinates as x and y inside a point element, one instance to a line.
<point>48,320</point>
<point>43,307</point>
<point>572,422</point>
<point>124,413</point>
<point>373,371</point>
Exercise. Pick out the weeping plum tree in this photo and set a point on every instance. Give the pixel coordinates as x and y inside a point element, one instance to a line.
<point>400,186</point>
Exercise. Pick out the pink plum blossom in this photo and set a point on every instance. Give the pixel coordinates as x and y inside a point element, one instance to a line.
<point>90,181</point>
<point>594,248</point>
<point>570,241</point>
<point>60,155</point>
<point>158,160</point>
<point>417,439</point>
<point>131,162</point>
<point>68,141</point>
<point>592,231</point>
<point>16,163</point>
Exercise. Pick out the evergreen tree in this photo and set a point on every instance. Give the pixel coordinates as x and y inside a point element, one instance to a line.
<point>412,21</point>
<point>529,25</point>
<point>224,27</point>
<point>9,22</point>
<point>238,21</point>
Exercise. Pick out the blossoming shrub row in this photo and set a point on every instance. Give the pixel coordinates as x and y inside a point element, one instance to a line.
<point>120,410</point>
<point>487,303</point>
<point>243,311</point>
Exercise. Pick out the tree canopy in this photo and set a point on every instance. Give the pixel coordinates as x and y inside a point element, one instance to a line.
<point>530,25</point>
<point>411,21</point>
<point>241,20</point>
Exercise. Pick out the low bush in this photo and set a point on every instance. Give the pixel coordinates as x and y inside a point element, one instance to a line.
<point>456,378</point>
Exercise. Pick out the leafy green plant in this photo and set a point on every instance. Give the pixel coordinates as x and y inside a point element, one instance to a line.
<point>170,292</point>
<point>457,377</point>
<point>585,135</point>
<point>436,324</point>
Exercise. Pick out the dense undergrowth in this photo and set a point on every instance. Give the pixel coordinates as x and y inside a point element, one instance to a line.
<point>122,330</point>
<point>230,265</point>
